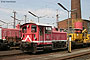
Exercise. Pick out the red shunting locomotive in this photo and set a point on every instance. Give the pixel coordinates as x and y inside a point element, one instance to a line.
<point>38,37</point>
<point>10,37</point>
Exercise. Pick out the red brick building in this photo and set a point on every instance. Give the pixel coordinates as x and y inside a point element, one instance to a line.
<point>75,16</point>
<point>64,24</point>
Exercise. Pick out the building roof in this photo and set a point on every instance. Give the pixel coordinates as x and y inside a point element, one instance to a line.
<point>64,20</point>
<point>85,20</point>
<point>70,18</point>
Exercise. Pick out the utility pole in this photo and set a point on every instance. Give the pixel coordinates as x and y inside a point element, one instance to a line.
<point>57,16</point>
<point>69,41</point>
<point>17,19</point>
<point>14,18</point>
<point>69,36</point>
<point>7,25</point>
<point>25,18</point>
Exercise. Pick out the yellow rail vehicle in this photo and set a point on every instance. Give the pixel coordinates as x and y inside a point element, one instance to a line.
<point>76,37</point>
<point>81,37</point>
<point>86,36</point>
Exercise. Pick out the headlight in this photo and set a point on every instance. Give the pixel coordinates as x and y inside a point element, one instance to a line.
<point>4,39</point>
<point>23,41</point>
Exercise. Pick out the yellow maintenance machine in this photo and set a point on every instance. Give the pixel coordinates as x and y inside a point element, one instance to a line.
<point>79,36</point>
<point>86,36</point>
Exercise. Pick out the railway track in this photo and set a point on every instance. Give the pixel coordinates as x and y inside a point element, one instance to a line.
<point>74,55</point>
<point>54,55</point>
<point>60,56</point>
<point>10,53</point>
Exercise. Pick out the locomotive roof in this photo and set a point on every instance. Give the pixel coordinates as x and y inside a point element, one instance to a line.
<point>39,24</point>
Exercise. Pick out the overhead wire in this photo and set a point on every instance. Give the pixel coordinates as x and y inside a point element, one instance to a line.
<point>48,2</point>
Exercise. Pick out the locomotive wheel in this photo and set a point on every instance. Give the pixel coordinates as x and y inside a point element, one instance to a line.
<point>22,47</point>
<point>4,46</point>
<point>34,50</point>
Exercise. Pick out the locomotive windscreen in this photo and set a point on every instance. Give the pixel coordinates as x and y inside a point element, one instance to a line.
<point>33,28</point>
<point>24,29</point>
<point>48,30</point>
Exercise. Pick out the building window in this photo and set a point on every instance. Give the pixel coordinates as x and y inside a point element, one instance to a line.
<point>88,27</point>
<point>83,24</point>
<point>70,21</point>
<point>67,21</point>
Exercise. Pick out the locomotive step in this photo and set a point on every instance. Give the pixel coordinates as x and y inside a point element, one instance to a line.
<point>44,47</point>
<point>39,47</point>
<point>14,47</point>
<point>39,50</point>
<point>47,46</point>
<point>58,48</point>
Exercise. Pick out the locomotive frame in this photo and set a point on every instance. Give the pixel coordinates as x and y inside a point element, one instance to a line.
<point>38,37</point>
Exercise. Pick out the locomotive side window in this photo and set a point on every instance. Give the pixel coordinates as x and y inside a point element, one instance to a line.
<point>48,30</point>
<point>41,31</point>
<point>24,29</point>
<point>33,28</point>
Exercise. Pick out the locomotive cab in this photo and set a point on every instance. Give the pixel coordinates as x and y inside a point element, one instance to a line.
<point>28,32</point>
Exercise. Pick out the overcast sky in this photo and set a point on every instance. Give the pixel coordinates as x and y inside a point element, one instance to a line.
<point>47,8</point>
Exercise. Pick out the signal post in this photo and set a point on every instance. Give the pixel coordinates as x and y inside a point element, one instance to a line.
<point>69,43</point>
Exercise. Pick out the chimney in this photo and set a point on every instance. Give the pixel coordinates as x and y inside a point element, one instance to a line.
<point>75,4</point>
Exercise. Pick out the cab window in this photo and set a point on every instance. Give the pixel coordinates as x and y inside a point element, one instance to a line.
<point>41,31</point>
<point>33,28</point>
<point>48,30</point>
<point>24,29</point>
